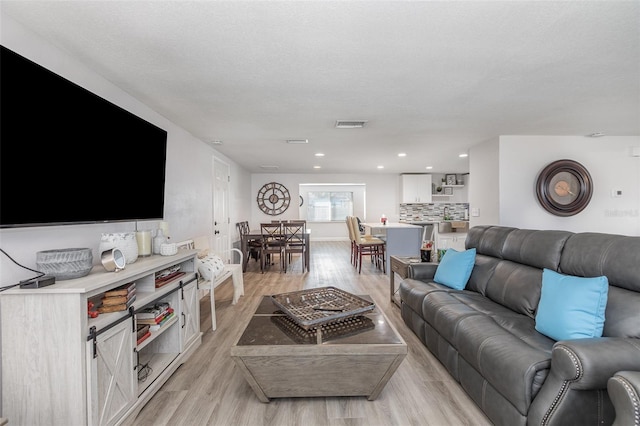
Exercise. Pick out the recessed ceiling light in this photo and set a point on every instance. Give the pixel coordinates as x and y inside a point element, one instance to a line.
<point>429,167</point>
<point>350,124</point>
<point>381,167</point>
<point>216,142</point>
<point>317,167</point>
<point>596,135</point>
<point>298,141</point>
<point>319,154</point>
<point>463,155</point>
<point>402,154</point>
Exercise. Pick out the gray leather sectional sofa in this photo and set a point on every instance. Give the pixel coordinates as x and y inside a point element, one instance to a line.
<point>485,334</point>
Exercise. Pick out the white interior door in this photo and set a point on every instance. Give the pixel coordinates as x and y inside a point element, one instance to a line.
<point>221,220</point>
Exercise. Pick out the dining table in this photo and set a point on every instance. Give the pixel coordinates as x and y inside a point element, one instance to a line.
<point>257,234</point>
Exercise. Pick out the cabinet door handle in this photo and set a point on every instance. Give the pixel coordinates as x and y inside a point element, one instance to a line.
<point>184,320</point>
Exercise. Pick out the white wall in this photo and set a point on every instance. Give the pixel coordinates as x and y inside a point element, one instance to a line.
<point>608,159</point>
<point>484,192</point>
<point>188,193</point>
<point>520,158</point>
<point>382,197</point>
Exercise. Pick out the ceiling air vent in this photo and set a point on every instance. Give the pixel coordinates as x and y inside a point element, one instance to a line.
<point>269,167</point>
<point>350,124</point>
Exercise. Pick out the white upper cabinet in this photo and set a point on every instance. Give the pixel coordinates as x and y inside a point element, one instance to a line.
<point>416,188</point>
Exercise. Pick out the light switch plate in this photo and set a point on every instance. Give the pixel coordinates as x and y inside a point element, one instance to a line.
<point>475,212</point>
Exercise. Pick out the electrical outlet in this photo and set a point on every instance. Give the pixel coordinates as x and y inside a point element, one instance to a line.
<point>475,212</point>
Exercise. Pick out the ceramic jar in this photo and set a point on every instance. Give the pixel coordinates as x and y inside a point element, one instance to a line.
<point>158,240</point>
<point>125,241</point>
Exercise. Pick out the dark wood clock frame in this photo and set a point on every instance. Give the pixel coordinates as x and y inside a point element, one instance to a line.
<point>577,201</point>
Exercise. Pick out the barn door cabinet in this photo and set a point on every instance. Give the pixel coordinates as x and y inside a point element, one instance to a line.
<point>61,367</point>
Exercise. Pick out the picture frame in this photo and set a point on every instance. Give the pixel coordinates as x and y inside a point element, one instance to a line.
<point>448,191</point>
<point>450,179</point>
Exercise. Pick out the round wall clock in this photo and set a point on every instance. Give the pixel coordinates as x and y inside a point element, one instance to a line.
<point>564,187</point>
<point>273,198</point>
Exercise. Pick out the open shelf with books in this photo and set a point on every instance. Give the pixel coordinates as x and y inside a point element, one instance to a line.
<point>93,319</point>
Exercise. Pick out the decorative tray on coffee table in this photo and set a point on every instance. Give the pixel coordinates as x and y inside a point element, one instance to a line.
<point>318,306</point>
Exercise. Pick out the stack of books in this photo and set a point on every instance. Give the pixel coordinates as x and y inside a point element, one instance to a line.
<point>118,299</point>
<point>155,316</point>
<point>143,333</point>
<point>167,275</point>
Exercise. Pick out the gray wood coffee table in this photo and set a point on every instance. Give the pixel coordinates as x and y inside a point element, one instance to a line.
<point>279,359</point>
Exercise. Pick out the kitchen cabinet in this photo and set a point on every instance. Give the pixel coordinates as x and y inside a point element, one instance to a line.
<point>416,188</point>
<point>454,240</point>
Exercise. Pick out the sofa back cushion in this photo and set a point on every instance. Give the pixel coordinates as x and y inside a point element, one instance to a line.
<point>617,257</point>
<point>491,241</point>
<point>483,269</point>
<point>541,249</point>
<point>591,254</point>
<point>515,286</point>
<point>488,241</point>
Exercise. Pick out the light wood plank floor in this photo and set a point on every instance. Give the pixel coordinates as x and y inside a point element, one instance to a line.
<point>209,390</point>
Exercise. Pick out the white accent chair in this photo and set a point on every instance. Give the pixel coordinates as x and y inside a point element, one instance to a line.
<point>231,270</point>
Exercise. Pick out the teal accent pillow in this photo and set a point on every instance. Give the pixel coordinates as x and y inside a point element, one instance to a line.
<point>455,268</point>
<point>571,307</point>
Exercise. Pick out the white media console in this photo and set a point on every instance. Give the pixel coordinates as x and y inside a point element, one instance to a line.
<point>59,366</point>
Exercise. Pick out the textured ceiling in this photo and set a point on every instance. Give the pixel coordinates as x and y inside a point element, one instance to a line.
<point>432,78</point>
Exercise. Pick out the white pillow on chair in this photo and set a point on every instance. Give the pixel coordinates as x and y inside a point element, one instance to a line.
<point>210,266</point>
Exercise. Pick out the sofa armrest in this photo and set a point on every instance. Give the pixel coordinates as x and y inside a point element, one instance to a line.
<point>589,363</point>
<point>624,391</point>
<point>578,377</point>
<point>422,271</point>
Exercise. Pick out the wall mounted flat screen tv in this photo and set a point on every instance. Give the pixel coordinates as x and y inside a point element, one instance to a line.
<point>68,156</point>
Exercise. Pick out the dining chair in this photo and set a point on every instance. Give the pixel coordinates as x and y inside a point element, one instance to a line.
<point>272,244</point>
<point>294,233</point>
<point>253,245</point>
<point>373,247</point>
<point>352,240</point>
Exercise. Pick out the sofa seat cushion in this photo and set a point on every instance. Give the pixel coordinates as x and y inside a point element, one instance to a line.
<point>413,292</point>
<point>443,311</point>
<point>512,366</point>
<point>455,316</point>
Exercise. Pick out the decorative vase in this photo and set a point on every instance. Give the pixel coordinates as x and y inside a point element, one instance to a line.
<point>125,241</point>
<point>158,240</point>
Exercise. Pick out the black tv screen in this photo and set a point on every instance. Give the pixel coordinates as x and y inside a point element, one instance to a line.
<point>68,156</point>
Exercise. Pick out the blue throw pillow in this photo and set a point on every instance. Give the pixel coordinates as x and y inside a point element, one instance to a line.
<point>455,268</point>
<point>571,307</point>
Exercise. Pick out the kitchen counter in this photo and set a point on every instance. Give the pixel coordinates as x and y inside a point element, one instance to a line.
<point>376,225</point>
<point>402,239</point>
